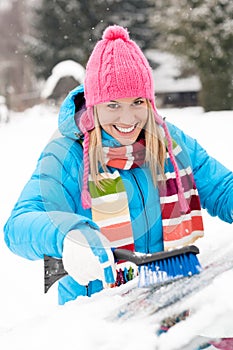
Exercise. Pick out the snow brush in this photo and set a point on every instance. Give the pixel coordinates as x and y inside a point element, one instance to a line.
<point>154,269</point>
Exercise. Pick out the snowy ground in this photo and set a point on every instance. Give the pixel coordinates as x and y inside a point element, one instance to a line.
<point>31,320</point>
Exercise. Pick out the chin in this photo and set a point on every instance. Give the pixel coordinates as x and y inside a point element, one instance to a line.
<point>126,142</point>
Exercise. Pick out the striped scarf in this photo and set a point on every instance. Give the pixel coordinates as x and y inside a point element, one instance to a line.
<point>110,208</point>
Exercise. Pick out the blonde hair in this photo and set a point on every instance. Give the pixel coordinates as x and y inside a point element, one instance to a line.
<point>155,148</point>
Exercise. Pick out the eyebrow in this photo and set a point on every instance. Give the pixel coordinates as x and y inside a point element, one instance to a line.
<point>138,98</point>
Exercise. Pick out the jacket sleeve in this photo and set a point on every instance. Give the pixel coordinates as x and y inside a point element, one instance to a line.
<point>49,204</point>
<point>213,180</point>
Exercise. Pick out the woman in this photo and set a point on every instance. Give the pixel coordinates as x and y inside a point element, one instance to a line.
<point>119,176</point>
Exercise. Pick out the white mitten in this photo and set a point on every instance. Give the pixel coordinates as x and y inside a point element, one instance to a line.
<point>87,256</point>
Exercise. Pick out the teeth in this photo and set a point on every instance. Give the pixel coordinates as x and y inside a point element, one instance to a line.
<point>125,129</point>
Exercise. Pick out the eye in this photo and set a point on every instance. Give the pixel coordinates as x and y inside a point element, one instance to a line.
<point>138,102</point>
<point>113,105</point>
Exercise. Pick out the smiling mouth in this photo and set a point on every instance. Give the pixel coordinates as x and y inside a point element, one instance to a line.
<point>125,130</point>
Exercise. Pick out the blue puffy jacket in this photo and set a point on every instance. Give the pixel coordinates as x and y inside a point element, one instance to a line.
<point>49,205</point>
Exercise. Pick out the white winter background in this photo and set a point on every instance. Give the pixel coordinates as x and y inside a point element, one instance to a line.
<point>32,320</point>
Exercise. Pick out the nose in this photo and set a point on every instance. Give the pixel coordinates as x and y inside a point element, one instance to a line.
<point>127,116</point>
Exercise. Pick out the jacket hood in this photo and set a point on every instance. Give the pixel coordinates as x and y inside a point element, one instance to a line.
<point>71,109</point>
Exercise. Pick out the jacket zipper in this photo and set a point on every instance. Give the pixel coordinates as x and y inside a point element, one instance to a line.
<point>144,208</point>
<point>87,290</point>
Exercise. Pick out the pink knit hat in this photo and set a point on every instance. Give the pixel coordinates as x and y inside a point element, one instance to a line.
<point>117,68</point>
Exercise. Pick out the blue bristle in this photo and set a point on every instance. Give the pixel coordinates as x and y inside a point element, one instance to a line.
<point>192,264</point>
<point>164,266</point>
<point>185,264</point>
<point>154,274</point>
<point>195,264</point>
<point>163,270</point>
<point>169,267</point>
<point>178,266</point>
<point>174,267</point>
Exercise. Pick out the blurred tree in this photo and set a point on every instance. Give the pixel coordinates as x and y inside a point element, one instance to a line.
<point>202,31</point>
<point>68,30</point>
<point>16,77</point>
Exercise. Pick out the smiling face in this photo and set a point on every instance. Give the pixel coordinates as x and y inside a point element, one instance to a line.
<point>123,118</point>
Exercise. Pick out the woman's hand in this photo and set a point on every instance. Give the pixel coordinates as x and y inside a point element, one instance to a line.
<point>87,256</point>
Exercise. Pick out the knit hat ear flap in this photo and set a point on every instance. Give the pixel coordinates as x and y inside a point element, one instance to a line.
<point>85,195</point>
<point>86,124</point>
<point>182,201</point>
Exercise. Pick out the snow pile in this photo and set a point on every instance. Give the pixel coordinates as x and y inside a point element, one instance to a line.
<point>32,320</point>
<point>63,69</point>
<point>4,112</point>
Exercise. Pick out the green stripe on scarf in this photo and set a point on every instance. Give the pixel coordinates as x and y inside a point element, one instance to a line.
<point>109,186</point>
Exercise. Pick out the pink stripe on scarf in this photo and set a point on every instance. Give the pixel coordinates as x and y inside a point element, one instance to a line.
<point>121,158</point>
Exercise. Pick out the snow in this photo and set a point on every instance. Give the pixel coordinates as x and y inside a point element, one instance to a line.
<point>33,320</point>
<point>166,75</point>
<point>63,69</point>
<point>4,113</point>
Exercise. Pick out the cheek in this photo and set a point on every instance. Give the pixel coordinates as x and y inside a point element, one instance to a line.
<point>143,117</point>
<point>105,118</point>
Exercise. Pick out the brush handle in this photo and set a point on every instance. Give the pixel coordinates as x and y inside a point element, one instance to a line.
<point>142,259</point>
<point>54,269</point>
